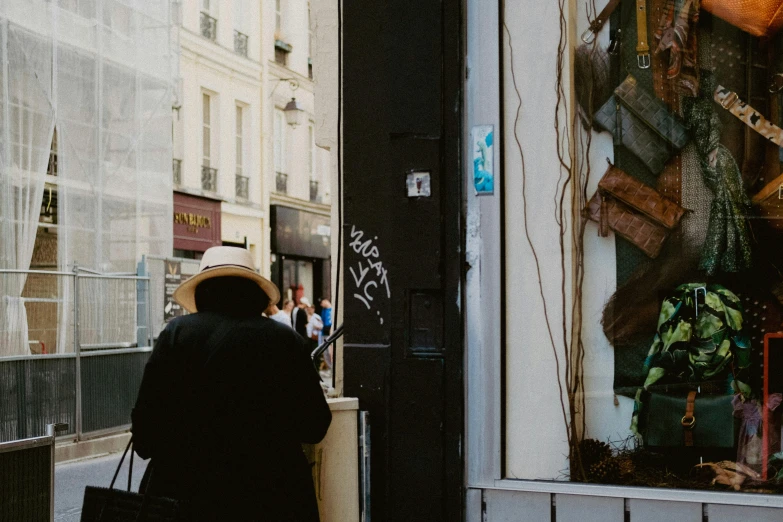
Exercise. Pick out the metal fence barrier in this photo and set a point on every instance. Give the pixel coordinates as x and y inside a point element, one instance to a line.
<point>89,339</point>
<point>27,477</point>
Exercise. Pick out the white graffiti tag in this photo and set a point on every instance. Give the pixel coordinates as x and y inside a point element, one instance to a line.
<point>370,265</point>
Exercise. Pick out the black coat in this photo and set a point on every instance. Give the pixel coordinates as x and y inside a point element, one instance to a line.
<point>299,320</point>
<point>223,408</point>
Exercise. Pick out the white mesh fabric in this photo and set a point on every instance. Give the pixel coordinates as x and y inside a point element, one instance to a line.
<point>100,73</point>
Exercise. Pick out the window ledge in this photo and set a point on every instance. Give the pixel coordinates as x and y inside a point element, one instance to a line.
<point>285,47</point>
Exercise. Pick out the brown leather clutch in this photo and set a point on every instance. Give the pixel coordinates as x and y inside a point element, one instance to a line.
<point>633,210</point>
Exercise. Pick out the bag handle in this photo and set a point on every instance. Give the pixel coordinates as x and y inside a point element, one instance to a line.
<point>130,466</point>
<point>145,500</point>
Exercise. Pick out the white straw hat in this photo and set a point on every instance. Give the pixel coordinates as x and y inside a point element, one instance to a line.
<point>223,261</point>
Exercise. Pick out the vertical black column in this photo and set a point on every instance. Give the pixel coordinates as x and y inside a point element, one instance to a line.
<point>402,63</point>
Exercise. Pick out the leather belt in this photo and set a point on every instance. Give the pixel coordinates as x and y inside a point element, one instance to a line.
<point>642,49</point>
<point>689,419</point>
<point>596,25</point>
<point>730,101</point>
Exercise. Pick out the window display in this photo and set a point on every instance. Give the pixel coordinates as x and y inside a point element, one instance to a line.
<point>691,94</point>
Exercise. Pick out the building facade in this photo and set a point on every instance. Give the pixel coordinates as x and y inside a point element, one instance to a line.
<point>217,159</point>
<point>297,170</point>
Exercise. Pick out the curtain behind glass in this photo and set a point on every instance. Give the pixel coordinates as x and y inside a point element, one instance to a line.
<point>26,128</point>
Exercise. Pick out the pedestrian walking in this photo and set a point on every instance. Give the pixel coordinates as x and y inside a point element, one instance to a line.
<point>274,313</point>
<point>314,325</point>
<point>227,398</point>
<point>326,315</point>
<point>299,317</point>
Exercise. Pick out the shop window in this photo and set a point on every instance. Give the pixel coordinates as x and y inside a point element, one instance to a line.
<point>678,292</point>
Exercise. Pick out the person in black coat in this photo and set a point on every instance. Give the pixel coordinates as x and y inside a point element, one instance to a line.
<point>299,317</point>
<point>226,401</point>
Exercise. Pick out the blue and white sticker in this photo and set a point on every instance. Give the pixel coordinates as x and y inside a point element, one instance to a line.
<point>482,137</point>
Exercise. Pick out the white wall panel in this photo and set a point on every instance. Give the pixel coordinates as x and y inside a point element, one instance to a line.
<point>580,508</point>
<point>727,513</point>
<point>663,511</point>
<point>473,505</point>
<point>517,506</point>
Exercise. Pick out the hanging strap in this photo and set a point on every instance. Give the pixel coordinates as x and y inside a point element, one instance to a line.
<point>730,101</point>
<point>689,419</point>
<point>130,466</point>
<point>642,49</point>
<point>596,25</point>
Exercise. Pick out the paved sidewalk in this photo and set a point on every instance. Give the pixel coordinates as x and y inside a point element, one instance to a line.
<point>71,478</point>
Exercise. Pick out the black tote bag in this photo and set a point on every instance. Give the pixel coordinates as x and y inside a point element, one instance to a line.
<point>114,505</point>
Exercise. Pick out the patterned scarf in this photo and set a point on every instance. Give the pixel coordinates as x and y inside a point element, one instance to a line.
<point>727,245</point>
<point>674,35</point>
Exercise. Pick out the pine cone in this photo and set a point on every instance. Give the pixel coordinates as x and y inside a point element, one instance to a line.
<point>593,451</point>
<point>607,471</point>
<point>625,466</point>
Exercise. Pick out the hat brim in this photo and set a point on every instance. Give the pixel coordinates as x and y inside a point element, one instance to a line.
<point>185,294</point>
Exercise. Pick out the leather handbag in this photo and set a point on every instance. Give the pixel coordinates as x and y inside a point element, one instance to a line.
<point>758,17</point>
<point>592,67</point>
<point>769,200</point>
<point>693,420</point>
<point>633,210</point>
<point>643,124</point>
<point>114,505</point>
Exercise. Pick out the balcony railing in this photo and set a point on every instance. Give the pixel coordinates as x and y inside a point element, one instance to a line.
<point>242,184</point>
<point>208,26</point>
<point>313,190</point>
<point>281,182</point>
<point>240,43</point>
<point>176,171</point>
<point>209,179</point>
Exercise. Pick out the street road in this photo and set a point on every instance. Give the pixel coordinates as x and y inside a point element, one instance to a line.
<point>71,478</point>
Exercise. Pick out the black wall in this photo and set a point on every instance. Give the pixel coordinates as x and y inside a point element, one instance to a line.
<point>402,77</point>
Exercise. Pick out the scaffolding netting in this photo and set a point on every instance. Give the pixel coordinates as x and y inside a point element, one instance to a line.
<point>85,138</point>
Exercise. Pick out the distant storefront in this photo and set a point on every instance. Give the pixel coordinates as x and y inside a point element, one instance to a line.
<point>301,246</point>
<point>196,225</point>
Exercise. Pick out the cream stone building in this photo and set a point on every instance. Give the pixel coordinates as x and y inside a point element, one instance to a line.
<point>246,164</point>
<point>297,171</point>
<point>217,131</point>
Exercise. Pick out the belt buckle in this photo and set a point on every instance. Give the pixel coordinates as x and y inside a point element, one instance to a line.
<point>588,36</point>
<point>729,100</point>
<point>688,422</point>
<point>643,61</point>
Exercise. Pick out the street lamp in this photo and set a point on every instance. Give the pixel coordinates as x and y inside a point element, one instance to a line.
<point>294,113</point>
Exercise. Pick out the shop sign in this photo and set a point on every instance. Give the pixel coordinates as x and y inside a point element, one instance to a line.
<point>196,223</point>
<point>193,222</point>
<point>171,280</point>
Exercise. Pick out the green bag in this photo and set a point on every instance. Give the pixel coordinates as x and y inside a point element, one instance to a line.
<point>711,423</point>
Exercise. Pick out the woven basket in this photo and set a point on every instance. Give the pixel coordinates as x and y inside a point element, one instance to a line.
<point>757,17</point>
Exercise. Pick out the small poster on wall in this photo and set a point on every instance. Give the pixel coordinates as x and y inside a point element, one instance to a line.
<point>482,137</point>
<point>172,279</point>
